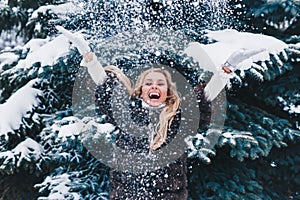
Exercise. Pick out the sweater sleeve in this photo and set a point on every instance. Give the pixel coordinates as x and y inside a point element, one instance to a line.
<point>204,107</point>
<point>95,70</point>
<point>103,98</point>
<point>174,127</point>
<point>123,140</point>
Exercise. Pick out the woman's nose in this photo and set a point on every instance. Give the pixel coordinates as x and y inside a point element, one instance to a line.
<point>154,86</point>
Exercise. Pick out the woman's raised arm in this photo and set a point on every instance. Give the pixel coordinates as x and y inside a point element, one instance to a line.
<point>94,67</point>
<point>89,60</point>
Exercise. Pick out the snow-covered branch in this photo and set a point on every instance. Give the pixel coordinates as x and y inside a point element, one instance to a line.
<point>17,107</point>
<point>46,52</point>
<point>59,187</point>
<point>28,151</point>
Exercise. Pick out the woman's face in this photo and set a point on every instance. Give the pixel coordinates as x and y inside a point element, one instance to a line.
<point>154,89</point>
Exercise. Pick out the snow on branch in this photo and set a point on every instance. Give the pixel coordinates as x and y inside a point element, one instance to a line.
<point>294,49</point>
<point>62,10</point>
<point>233,135</point>
<point>45,53</point>
<point>17,107</point>
<point>59,187</point>
<point>27,151</point>
<point>71,127</point>
<point>71,133</point>
<point>75,185</point>
<point>246,40</point>
<point>7,58</point>
<point>202,146</point>
<point>290,107</point>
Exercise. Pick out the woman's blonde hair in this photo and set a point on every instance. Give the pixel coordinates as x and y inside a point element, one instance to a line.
<point>172,102</point>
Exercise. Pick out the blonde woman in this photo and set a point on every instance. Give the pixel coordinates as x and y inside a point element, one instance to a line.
<point>154,92</point>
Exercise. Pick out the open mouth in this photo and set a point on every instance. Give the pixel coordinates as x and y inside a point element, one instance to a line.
<point>154,95</point>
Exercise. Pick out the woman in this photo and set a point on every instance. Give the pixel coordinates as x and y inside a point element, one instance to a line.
<point>156,105</point>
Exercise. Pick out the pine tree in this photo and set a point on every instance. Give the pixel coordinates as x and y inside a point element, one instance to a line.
<point>42,155</point>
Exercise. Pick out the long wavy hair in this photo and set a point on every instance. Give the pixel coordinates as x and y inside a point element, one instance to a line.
<point>172,102</point>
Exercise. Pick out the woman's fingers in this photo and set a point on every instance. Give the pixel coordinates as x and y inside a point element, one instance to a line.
<point>88,56</point>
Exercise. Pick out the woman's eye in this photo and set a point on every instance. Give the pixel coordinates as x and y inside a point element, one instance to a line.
<point>148,84</point>
<point>161,84</point>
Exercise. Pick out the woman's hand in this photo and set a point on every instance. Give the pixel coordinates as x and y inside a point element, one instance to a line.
<point>94,67</point>
<point>88,56</point>
<point>238,57</point>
